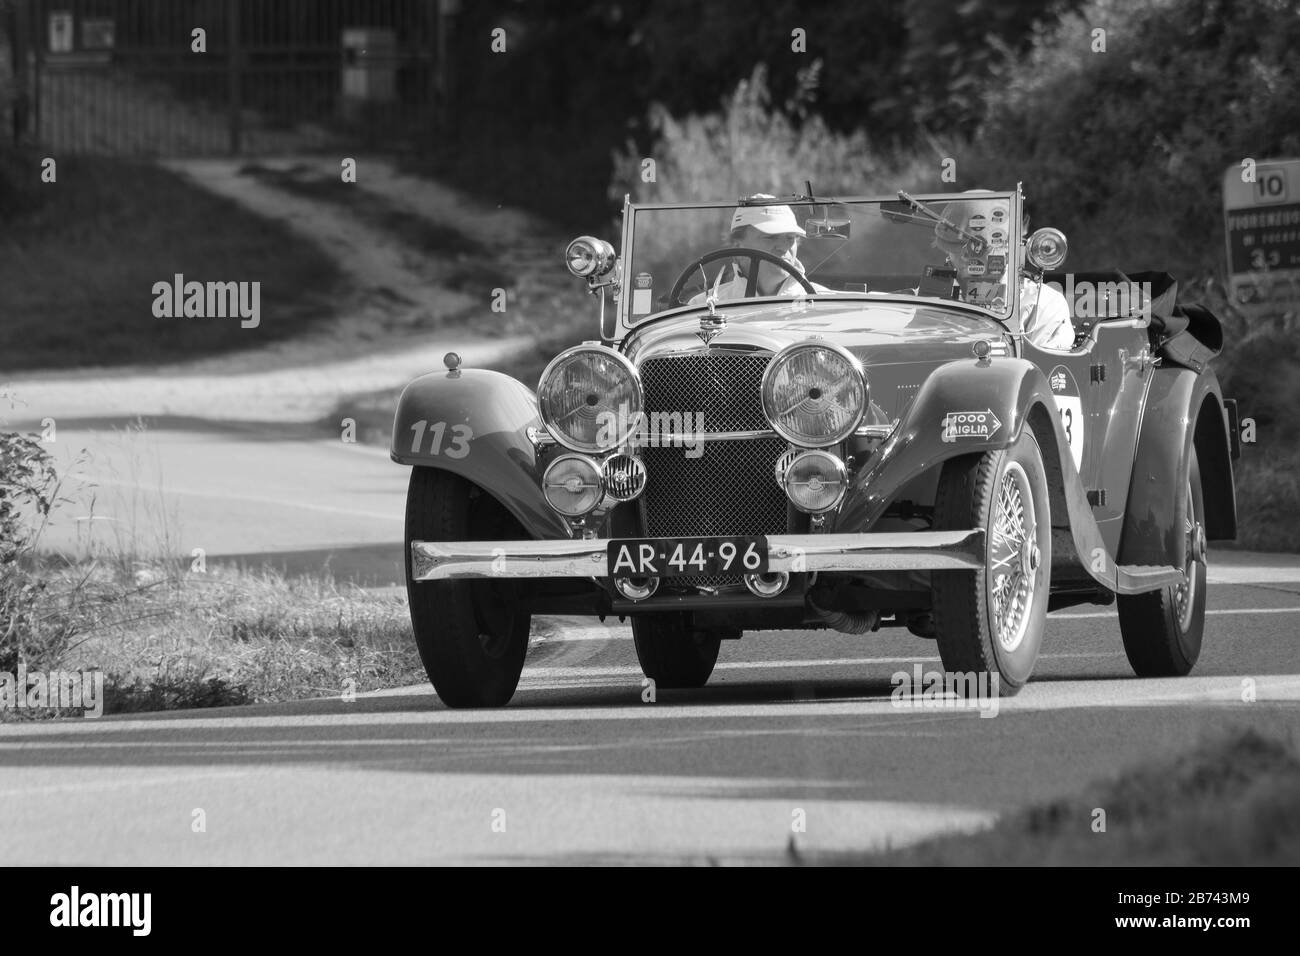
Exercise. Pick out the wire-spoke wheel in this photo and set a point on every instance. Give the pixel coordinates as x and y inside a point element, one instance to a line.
<point>1162,629</point>
<point>991,621</point>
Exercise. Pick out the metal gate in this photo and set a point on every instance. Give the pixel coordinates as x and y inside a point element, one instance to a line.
<point>192,77</point>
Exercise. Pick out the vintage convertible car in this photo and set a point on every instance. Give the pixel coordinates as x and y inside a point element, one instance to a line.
<point>871,439</point>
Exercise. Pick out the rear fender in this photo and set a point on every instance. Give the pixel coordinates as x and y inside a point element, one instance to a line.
<point>484,418</point>
<point>1184,410</point>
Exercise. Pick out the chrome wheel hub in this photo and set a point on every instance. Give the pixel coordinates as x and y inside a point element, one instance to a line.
<point>1185,594</point>
<point>1014,558</point>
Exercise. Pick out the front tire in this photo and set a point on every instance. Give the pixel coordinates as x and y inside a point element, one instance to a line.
<point>472,635</point>
<point>991,621</point>
<point>672,651</point>
<point>1162,629</point>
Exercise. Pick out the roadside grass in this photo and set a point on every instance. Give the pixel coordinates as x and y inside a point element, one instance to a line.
<point>170,630</point>
<point>1234,800</point>
<point>169,638</point>
<point>79,258</point>
<point>1268,500</point>
<point>232,636</point>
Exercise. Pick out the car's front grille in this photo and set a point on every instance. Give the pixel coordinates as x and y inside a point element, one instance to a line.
<point>728,490</point>
<point>723,386</point>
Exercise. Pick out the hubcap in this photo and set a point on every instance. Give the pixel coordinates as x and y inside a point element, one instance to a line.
<point>1185,594</point>
<point>1014,558</point>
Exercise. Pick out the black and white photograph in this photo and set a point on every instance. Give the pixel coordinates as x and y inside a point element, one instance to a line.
<point>521,433</point>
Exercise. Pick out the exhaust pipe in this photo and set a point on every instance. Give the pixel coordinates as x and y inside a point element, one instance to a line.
<point>847,622</point>
<point>636,589</point>
<point>767,585</point>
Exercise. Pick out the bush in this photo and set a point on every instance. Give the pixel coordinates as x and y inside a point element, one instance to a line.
<point>1125,149</point>
<point>28,490</point>
<point>751,146</point>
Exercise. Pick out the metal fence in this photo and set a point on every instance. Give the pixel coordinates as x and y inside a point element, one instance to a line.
<point>186,77</point>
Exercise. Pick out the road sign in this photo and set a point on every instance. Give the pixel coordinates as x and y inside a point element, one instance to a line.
<point>1261,212</point>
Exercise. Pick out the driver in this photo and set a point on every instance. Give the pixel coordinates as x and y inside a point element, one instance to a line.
<point>770,229</point>
<point>1044,313</point>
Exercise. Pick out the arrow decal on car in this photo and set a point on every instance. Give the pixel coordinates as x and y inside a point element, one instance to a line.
<point>982,425</point>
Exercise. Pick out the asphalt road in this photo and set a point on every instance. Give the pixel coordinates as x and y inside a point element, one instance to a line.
<point>793,726</point>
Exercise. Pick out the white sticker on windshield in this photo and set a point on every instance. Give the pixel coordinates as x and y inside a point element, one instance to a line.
<point>642,293</point>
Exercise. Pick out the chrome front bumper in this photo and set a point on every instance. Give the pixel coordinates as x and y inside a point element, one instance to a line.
<point>908,551</point>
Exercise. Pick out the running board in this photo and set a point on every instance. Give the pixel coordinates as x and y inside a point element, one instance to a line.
<point>1139,578</point>
<point>1090,548</point>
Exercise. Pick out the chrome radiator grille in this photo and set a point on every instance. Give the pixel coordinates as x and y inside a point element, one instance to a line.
<point>729,489</point>
<point>723,385</point>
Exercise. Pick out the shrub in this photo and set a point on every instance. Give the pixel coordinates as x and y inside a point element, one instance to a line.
<point>28,490</point>
<point>751,146</point>
<point>1125,149</point>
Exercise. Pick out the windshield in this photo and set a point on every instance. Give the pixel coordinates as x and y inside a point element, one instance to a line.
<point>949,247</point>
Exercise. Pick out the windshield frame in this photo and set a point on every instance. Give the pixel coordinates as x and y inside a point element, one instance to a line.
<point>1010,322</point>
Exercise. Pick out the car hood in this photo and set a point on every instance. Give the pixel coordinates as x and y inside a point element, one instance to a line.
<point>878,333</point>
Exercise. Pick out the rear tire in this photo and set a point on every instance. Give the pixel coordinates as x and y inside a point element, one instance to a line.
<point>991,621</point>
<point>1162,629</point>
<point>672,651</point>
<point>472,635</point>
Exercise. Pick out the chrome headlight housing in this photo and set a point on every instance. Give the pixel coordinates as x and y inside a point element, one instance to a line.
<point>572,485</point>
<point>815,481</point>
<point>590,399</point>
<point>588,257</point>
<point>814,394</point>
<point>1046,249</point>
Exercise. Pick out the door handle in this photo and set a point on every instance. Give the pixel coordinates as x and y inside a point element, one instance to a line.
<point>1139,362</point>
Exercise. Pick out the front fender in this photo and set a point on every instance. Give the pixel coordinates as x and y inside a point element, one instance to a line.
<point>484,417</point>
<point>1016,392</point>
<point>1008,388</point>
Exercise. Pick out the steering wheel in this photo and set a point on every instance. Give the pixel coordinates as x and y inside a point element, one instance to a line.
<point>737,252</point>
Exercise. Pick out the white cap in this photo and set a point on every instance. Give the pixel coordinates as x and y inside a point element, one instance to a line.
<point>772,220</point>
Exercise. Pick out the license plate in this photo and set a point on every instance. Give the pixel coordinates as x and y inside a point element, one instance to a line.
<point>671,557</point>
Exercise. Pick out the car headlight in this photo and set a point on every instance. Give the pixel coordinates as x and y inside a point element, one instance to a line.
<point>590,398</point>
<point>814,394</point>
<point>572,485</point>
<point>815,481</point>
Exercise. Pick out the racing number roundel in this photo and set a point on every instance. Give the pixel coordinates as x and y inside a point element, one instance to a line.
<point>1070,406</point>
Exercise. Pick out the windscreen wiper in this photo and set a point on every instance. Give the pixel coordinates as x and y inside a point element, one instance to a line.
<point>977,243</point>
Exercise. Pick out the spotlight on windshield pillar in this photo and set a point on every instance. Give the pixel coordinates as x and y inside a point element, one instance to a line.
<point>588,257</point>
<point>1046,249</point>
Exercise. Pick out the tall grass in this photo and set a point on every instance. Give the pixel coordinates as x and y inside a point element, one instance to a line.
<point>166,630</point>
<point>751,145</point>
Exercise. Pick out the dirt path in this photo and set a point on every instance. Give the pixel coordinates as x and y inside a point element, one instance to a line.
<point>410,305</point>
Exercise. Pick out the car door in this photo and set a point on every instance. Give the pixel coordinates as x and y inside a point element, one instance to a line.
<point>1099,389</point>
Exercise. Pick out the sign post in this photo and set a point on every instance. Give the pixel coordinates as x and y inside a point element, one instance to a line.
<point>1261,213</point>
